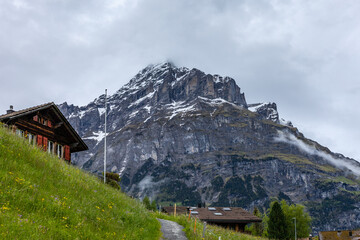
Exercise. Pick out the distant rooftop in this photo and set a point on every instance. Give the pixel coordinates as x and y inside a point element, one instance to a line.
<point>217,214</point>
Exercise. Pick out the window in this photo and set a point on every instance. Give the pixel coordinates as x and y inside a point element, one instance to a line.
<point>42,120</point>
<point>50,147</point>
<point>31,138</point>
<point>59,151</point>
<point>19,132</point>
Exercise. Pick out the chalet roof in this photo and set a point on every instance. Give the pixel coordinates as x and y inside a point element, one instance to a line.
<point>218,214</point>
<point>340,235</point>
<point>17,114</point>
<point>26,111</point>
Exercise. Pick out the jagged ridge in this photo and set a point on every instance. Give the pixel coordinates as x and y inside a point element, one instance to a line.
<point>182,135</point>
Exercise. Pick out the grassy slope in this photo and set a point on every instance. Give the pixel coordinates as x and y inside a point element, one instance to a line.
<point>41,197</point>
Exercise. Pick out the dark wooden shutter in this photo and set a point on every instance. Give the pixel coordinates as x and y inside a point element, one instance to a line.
<point>49,123</point>
<point>39,140</point>
<point>67,153</point>
<point>45,143</point>
<point>35,118</point>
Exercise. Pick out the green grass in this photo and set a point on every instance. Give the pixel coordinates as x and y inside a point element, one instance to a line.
<point>212,232</point>
<point>327,182</point>
<point>345,180</point>
<point>42,197</point>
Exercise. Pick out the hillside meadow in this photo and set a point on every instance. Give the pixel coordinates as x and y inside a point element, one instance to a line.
<point>42,197</point>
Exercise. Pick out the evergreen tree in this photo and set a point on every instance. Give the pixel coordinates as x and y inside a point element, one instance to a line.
<point>257,228</point>
<point>146,202</point>
<point>277,225</point>
<point>153,206</point>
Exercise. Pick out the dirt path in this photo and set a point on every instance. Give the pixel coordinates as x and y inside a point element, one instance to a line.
<point>171,230</point>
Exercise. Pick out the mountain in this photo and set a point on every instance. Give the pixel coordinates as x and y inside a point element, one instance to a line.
<point>181,135</point>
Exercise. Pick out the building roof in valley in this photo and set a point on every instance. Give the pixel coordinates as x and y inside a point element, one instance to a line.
<point>340,235</point>
<point>217,214</point>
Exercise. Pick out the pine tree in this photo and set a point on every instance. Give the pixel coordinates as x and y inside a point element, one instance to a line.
<point>277,226</point>
<point>146,202</point>
<point>153,205</point>
<point>257,228</point>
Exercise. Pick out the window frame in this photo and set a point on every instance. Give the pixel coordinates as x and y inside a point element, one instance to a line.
<point>51,147</point>
<point>59,150</point>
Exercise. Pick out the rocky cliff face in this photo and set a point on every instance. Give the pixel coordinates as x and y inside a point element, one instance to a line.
<point>180,135</point>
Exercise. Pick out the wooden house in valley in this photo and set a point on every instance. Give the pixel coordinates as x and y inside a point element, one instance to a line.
<point>234,218</point>
<point>340,235</point>
<point>46,127</point>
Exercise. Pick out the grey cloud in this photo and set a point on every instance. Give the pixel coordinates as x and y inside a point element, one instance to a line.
<point>310,149</point>
<point>304,55</point>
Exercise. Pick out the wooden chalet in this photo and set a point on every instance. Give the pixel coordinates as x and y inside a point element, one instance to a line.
<point>234,218</point>
<point>340,235</point>
<point>46,127</point>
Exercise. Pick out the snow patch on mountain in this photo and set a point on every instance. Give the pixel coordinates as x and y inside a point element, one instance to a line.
<point>147,108</point>
<point>216,101</point>
<point>150,95</point>
<point>101,111</point>
<point>179,78</point>
<point>133,114</point>
<point>220,79</point>
<point>285,122</point>
<point>267,109</point>
<point>255,107</point>
<point>97,136</point>
<point>179,107</point>
<point>80,114</point>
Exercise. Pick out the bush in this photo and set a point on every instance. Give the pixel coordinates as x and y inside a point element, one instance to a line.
<point>256,229</point>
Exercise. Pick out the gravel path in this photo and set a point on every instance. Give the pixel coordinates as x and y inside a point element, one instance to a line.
<point>171,230</point>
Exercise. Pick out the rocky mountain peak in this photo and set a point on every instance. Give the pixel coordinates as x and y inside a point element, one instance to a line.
<point>165,83</point>
<point>267,110</point>
<point>181,135</point>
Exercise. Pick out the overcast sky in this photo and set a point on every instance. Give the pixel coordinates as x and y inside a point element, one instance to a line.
<point>302,54</point>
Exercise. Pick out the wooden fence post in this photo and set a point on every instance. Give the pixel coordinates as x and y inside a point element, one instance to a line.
<point>204,230</point>
<point>195,226</point>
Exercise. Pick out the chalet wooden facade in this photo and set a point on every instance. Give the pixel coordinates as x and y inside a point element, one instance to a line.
<point>46,127</point>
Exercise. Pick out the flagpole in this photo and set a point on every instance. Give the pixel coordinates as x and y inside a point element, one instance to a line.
<point>105,137</point>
